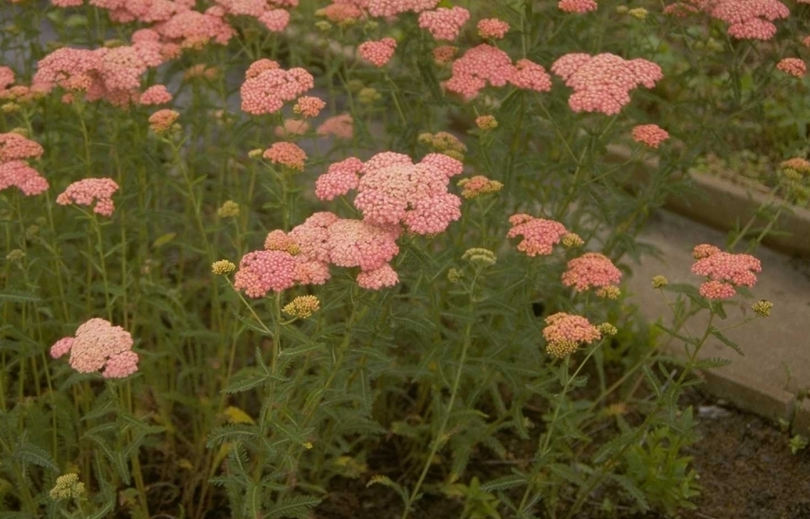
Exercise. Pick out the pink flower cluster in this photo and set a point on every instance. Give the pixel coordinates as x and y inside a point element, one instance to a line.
<point>747,19</point>
<point>539,235</point>
<point>309,106</point>
<point>602,83</point>
<point>340,178</point>
<point>793,67</point>
<point>6,77</point>
<point>592,269</point>
<point>112,74</point>
<point>724,271</point>
<point>651,135</point>
<point>486,64</point>
<point>389,8</point>
<point>377,52</point>
<point>565,332</point>
<point>340,126</point>
<point>14,171</point>
<point>492,28</point>
<point>340,11</point>
<point>89,191</point>
<point>98,344</point>
<point>267,87</point>
<point>444,23</point>
<point>393,190</point>
<point>577,6</point>
<point>286,154</point>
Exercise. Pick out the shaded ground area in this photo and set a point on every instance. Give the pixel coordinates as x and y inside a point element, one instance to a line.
<point>745,466</point>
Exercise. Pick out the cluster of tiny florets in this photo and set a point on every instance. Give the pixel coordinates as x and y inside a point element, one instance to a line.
<point>98,344</point>
<point>89,191</point>
<point>286,154</point>
<point>577,6</point>
<point>267,87</point>
<point>724,271</point>
<point>389,8</point>
<point>309,106</point>
<point>302,307</point>
<point>746,19</point>
<point>340,178</point>
<point>565,332</point>
<point>793,67</point>
<point>651,135</point>
<point>339,126</point>
<point>492,28</point>
<point>592,269</point>
<point>487,65</point>
<point>478,185</point>
<point>155,95</point>
<point>67,486</point>
<point>379,52</point>
<point>263,271</point>
<point>163,121</point>
<point>15,149</point>
<point>393,190</point>
<point>539,235</point>
<point>486,122</point>
<point>444,23</point>
<point>602,83</point>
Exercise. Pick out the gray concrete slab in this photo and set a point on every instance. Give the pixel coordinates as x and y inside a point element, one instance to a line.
<point>776,362</point>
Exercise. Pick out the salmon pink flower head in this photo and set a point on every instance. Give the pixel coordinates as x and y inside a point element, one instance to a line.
<point>291,127</point>
<point>793,67</point>
<point>577,6</point>
<point>162,121</point>
<point>602,83</point>
<point>340,13</point>
<point>492,28</point>
<point>155,95</point>
<point>749,19</point>
<point>14,146</point>
<point>89,191</point>
<point>378,279</point>
<point>390,8</point>
<point>68,68</point>
<point>479,66</point>
<point>286,154</point>
<point>341,126</point>
<point>444,23</point>
<point>592,269</point>
<point>478,185</point>
<point>340,178</point>
<point>309,106</point>
<point>378,53</point>
<point>444,54</point>
<point>98,344</point>
<point>651,135</point>
<point>565,332</point>
<point>193,29</point>
<point>275,20</point>
<point>539,235</point>
<point>724,271</point>
<point>530,76</point>
<point>19,174</point>
<point>263,271</point>
<point>266,92</point>
<point>393,190</point>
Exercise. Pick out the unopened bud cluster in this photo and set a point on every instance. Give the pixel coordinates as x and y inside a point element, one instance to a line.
<point>302,307</point>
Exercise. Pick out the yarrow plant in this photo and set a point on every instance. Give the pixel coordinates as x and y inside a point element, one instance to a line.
<point>305,236</point>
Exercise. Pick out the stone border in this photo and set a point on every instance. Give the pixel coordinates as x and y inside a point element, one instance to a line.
<point>722,204</point>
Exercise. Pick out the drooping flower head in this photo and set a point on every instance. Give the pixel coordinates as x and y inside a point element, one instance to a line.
<point>539,235</point>
<point>565,332</point>
<point>724,271</point>
<point>90,191</point>
<point>98,344</point>
<point>602,83</point>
